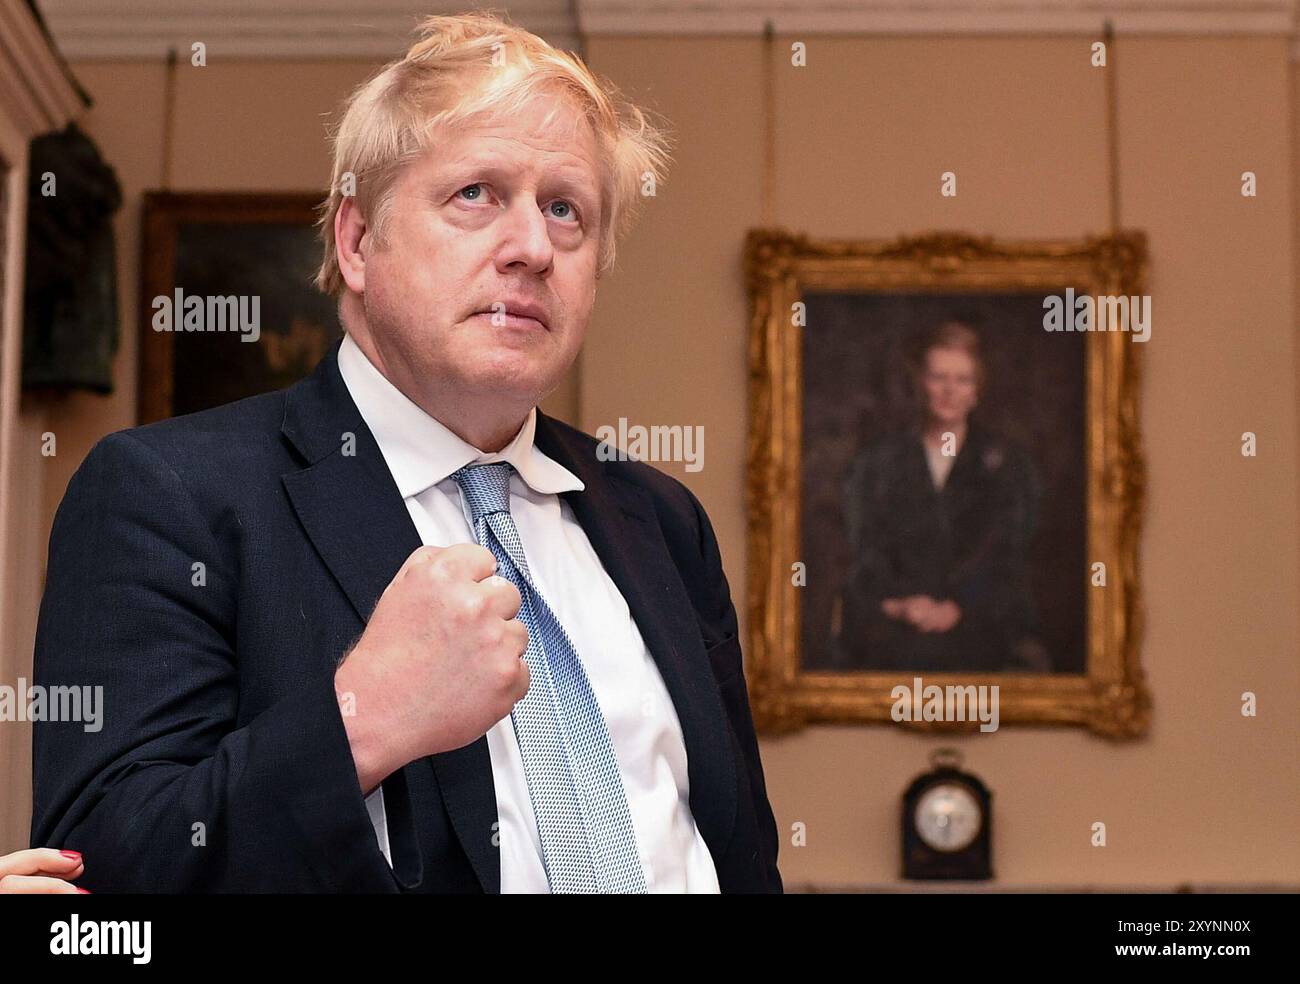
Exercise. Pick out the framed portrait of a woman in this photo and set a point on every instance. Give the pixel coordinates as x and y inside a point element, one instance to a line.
<point>945,477</point>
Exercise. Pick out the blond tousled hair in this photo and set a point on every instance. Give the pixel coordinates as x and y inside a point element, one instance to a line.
<point>479,64</point>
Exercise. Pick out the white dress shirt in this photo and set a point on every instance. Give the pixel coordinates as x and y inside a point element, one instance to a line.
<point>421,454</point>
<point>940,463</point>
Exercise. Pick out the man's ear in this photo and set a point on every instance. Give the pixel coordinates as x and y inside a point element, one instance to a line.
<point>349,248</point>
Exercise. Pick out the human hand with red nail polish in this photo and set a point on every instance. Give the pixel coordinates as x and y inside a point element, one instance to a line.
<point>41,871</point>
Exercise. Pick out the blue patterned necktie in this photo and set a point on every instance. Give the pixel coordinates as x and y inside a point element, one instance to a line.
<point>588,844</point>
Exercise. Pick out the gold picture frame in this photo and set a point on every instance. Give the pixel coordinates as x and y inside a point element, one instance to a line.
<point>1111,697</point>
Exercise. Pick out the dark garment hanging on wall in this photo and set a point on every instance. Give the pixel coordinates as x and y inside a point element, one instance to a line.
<point>70,328</point>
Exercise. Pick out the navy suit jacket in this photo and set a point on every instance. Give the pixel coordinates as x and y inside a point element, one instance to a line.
<point>210,571</point>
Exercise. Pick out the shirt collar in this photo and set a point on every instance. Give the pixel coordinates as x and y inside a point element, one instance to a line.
<point>421,451</point>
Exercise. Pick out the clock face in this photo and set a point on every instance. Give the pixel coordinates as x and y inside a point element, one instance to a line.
<point>948,817</point>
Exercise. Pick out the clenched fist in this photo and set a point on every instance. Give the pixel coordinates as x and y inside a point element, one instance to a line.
<point>439,664</point>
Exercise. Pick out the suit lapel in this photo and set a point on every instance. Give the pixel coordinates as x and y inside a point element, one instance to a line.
<point>354,515</point>
<point>619,519</point>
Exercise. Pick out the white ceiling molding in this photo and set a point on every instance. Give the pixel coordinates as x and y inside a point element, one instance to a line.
<point>372,29</point>
<point>37,92</point>
<point>952,17</point>
<point>128,29</point>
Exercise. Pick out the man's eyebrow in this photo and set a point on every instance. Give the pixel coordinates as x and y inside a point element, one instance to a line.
<point>577,185</point>
<point>570,179</point>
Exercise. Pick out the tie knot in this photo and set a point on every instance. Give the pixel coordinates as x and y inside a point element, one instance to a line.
<point>486,488</point>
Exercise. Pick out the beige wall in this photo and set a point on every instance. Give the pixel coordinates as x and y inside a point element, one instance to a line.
<point>864,132</point>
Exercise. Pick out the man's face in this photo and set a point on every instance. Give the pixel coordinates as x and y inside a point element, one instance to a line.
<point>493,217</point>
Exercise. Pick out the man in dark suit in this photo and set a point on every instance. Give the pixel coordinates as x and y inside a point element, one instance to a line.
<point>393,629</point>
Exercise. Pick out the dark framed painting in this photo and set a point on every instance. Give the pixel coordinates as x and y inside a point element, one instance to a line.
<point>945,477</point>
<point>228,308</point>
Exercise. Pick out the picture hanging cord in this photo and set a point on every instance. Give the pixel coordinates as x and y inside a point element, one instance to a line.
<point>769,126</point>
<point>1112,126</point>
<point>769,121</point>
<point>169,118</point>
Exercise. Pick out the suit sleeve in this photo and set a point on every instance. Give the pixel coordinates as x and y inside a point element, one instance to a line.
<point>169,791</point>
<point>744,724</point>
